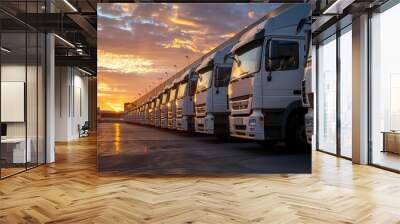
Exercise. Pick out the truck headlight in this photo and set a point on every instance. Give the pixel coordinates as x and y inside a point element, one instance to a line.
<point>252,122</point>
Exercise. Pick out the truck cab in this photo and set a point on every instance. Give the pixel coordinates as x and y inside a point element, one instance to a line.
<point>151,112</point>
<point>157,113</point>
<point>147,114</point>
<point>265,84</point>
<point>184,100</point>
<point>171,105</point>
<point>141,115</point>
<point>211,97</point>
<point>164,109</point>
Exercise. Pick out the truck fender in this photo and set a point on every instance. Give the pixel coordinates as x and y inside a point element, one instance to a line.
<point>293,108</point>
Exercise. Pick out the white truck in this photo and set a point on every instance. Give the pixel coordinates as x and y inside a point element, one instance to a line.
<point>171,105</point>
<point>151,112</point>
<point>157,111</point>
<point>265,86</point>
<point>147,113</point>
<point>141,115</point>
<point>211,97</point>
<point>164,109</point>
<point>184,100</point>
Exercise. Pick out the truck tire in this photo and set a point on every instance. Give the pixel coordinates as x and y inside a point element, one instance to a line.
<point>296,139</point>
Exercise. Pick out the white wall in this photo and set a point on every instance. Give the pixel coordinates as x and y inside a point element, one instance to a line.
<point>71,94</point>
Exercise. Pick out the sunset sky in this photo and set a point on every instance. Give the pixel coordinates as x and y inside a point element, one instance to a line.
<point>139,43</point>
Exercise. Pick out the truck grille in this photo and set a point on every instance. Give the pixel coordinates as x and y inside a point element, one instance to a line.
<point>240,105</point>
<point>200,109</point>
<point>178,112</point>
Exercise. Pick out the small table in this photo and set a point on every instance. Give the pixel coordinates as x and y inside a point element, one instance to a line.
<point>391,141</point>
<point>19,155</point>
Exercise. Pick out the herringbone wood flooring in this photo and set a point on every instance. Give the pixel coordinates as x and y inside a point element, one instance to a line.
<point>71,191</point>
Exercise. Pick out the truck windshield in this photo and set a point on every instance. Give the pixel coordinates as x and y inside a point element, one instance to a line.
<point>204,80</point>
<point>164,98</point>
<point>181,90</point>
<point>247,60</point>
<point>172,95</point>
<point>158,102</point>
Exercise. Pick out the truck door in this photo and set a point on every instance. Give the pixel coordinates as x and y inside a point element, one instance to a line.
<point>220,90</point>
<point>284,69</point>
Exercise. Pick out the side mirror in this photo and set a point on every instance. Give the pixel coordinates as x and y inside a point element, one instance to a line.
<point>230,55</point>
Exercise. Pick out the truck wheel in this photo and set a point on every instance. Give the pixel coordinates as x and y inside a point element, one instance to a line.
<point>296,138</point>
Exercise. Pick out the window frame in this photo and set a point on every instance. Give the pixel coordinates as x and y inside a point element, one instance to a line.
<point>268,52</point>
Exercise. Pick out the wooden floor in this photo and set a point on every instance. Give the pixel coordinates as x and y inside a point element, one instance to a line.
<point>71,191</point>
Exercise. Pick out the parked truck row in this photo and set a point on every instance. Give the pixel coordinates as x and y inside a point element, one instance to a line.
<point>252,86</point>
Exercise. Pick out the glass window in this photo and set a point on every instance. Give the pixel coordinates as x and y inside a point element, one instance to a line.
<point>204,79</point>
<point>223,76</point>
<point>247,60</point>
<point>346,93</point>
<point>385,88</point>
<point>158,102</point>
<point>182,89</point>
<point>164,98</point>
<point>326,94</point>
<point>284,56</point>
<point>172,95</point>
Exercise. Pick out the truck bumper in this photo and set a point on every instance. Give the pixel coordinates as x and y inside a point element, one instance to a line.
<point>182,123</point>
<point>204,124</point>
<point>164,123</point>
<point>171,123</point>
<point>247,127</point>
<point>157,123</point>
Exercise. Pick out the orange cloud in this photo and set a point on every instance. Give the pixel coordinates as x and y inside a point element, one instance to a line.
<point>181,21</point>
<point>179,43</point>
<point>124,63</point>
<point>227,35</point>
<point>202,32</point>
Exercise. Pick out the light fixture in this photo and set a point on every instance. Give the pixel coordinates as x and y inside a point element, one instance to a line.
<point>70,5</point>
<point>84,71</point>
<point>64,40</point>
<point>5,50</point>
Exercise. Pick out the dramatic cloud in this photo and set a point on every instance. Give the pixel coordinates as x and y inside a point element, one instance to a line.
<point>139,44</point>
<point>124,63</point>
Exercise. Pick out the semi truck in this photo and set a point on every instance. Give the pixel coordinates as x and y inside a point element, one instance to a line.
<point>151,112</point>
<point>164,108</point>
<point>157,113</point>
<point>184,100</point>
<point>265,85</point>
<point>211,97</point>
<point>171,105</point>
<point>141,119</point>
